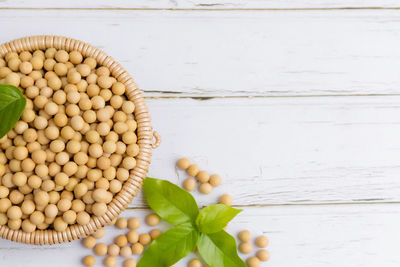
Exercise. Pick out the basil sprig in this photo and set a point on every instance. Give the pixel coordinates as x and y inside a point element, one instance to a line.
<point>219,249</point>
<point>214,218</point>
<point>170,202</point>
<point>12,105</point>
<point>194,228</point>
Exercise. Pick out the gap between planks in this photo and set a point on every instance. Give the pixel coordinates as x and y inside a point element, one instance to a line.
<point>202,9</point>
<point>359,203</point>
<point>182,95</point>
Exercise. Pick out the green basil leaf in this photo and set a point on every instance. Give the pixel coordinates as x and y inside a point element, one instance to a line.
<point>170,247</point>
<point>12,104</point>
<point>171,202</point>
<point>214,218</point>
<point>219,250</point>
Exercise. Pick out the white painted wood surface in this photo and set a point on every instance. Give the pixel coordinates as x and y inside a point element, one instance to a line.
<point>235,53</point>
<point>311,156</point>
<point>285,150</point>
<point>343,235</point>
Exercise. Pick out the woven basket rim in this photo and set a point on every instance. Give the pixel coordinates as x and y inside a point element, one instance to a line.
<point>144,134</point>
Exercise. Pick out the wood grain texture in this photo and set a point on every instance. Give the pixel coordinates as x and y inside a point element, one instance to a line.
<point>321,236</point>
<point>238,53</point>
<point>200,4</point>
<point>284,150</point>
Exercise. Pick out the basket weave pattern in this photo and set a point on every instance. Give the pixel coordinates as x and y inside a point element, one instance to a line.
<point>144,133</point>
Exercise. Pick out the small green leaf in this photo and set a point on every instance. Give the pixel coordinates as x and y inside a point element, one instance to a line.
<point>214,218</point>
<point>219,250</point>
<point>170,247</point>
<point>172,203</point>
<point>12,104</point>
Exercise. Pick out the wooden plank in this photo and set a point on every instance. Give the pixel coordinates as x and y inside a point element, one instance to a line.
<point>343,235</point>
<point>201,4</point>
<point>214,54</point>
<point>284,150</point>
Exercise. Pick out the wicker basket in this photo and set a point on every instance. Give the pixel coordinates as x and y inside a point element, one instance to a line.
<point>144,132</point>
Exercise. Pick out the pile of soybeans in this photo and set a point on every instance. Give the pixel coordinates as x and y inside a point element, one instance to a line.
<point>74,146</point>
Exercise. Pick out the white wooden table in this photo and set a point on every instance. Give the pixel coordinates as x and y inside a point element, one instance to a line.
<point>296,105</point>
